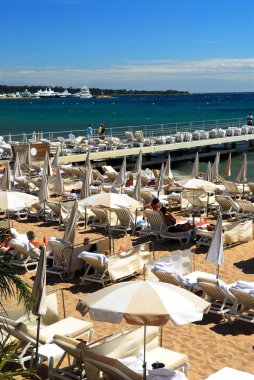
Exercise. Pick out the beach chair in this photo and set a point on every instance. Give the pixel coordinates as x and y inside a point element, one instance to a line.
<point>100,219</point>
<point>73,349</point>
<point>23,257</point>
<point>227,373</point>
<point>55,215</point>
<point>227,205</point>
<point>158,227</point>
<point>244,305</point>
<point>246,208</point>
<point>130,139</point>
<point>126,221</point>
<point>196,205</point>
<point>111,176</point>
<point>65,258</point>
<point>110,269</point>
<point>232,189</point>
<point>141,140</point>
<point>39,211</point>
<point>109,355</point>
<point>222,301</point>
<point>98,177</point>
<point>147,196</point>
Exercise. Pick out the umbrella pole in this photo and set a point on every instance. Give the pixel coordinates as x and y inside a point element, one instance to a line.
<point>144,365</point>
<point>217,271</point>
<point>207,204</point>
<point>243,190</point>
<point>136,217</point>
<point>37,340</point>
<point>85,218</point>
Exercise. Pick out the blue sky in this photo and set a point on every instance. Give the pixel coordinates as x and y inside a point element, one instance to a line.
<point>195,45</point>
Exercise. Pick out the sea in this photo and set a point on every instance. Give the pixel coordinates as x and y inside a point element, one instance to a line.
<point>55,115</point>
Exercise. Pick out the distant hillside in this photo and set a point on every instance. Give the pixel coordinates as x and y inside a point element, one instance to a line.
<point>94,91</point>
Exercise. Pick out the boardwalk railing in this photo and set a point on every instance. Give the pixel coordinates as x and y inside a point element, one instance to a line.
<point>149,131</point>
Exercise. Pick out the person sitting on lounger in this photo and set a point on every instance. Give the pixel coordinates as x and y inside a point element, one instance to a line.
<point>130,181</point>
<point>31,236</point>
<point>171,222</point>
<point>154,204</point>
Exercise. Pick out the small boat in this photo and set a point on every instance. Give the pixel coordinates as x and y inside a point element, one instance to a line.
<point>102,96</point>
<point>84,93</point>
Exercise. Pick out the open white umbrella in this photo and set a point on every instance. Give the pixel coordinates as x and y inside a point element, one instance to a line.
<point>144,303</point>
<point>39,305</point>
<point>120,179</point>
<point>197,184</point>
<point>227,170</point>
<point>110,200</point>
<point>215,253</point>
<point>195,168</point>
<point>138,165</point>
<point>70,230</point>
<point>167,172</point>
<point>15,200</point>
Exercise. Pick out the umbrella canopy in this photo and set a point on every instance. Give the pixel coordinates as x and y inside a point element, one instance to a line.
<point>227,170</point>
<point>44,190</point>
<point>159,181</point>
<point>136,192</point>
<point>6,179</point>
<point>55,163</point>
<point>242,174</point>
<point>208,174</point>
<point>147,303</point>
<point>85,189</point>
<point>195,168</point>
<point>138,165</point>
<point>16,169</point>
<point>197,184</point>
<point>70,230</point>
<point>167,172</point>
<point>58,182</point>
<point>14,200</point>
<point>47,165</point>
<point>110,200</point>
<point>215,253</point>
<point>215,166</point>
<point>120,179</point>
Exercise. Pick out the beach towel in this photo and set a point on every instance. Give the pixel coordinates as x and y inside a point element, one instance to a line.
<point>99,256</point>
<point>165,374</point>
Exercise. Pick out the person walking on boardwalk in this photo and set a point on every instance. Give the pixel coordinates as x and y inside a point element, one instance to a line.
<point>249,119</point>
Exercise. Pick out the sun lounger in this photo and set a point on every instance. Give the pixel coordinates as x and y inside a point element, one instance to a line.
<point>126,221</point>
<point>244,304</point>
<point>246,208</point>
<point>110,355</point>
<point>232,189</point>
<point>100,219</point>
<point>158,227</point>
<point>227,205</point>
<point>216,292</point>
<point>24,257</point>
<point>65,258</point>
<point>227,373</point>
<point>115,267</point>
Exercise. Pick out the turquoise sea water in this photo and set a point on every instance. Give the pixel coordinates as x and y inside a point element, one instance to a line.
<point>28,115</point>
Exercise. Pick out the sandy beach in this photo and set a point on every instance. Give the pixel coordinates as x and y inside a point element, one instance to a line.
<point>210,344</point>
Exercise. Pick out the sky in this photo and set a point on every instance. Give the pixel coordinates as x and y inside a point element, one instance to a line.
<point>192,45</point>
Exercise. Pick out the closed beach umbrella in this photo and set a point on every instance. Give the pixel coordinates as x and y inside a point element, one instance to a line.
<point>144,303</point>
<point>159,181</point>
<point>6,178</point>
<point>136,192</point>
<point>120,179</point>
<point>208,174</point>
<point>215,166</point>
<point>85,189</point>
<point>16,169</point>
<point>9,138</point>
<point>242,174</point>
<point>44,190</point>
<point>28,156</point>
<point>110,200</point>
<point>24,138</point>
<point>47,165</point>
<point>15,200</point>
<point>34,136</point>
<point>215,253</point>
<point>55,163</point>
<point>58,182</point>
<point>195,168</point>
<point>39,304</point>
<point>138,165</point>
<point>227,170</point>
<point>88,167</point>
<point>70,230</point>
<point>167,172</point>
